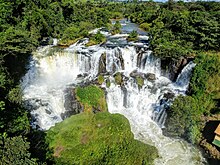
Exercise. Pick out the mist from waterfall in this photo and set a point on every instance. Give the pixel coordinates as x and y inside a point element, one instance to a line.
<point>49,75</point>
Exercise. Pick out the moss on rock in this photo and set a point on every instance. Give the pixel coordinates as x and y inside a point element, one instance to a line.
<point>118,78</point>
<point>101,79</point>
<point>101,138</point>
<point>108,83</point>
<point>140,81</point>
<point>91,97</point>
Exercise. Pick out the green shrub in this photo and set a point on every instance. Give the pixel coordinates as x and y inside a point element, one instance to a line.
<point>145,26</point>
<point>96,39</point>
<point>183,118</point>
<point>133,36</point>
<point>116,28</point>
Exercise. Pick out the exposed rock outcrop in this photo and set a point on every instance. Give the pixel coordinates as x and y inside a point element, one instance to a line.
<point>150,76</point>
<point>173,68</point>
<point>102,64</point>
<point>72,106</point>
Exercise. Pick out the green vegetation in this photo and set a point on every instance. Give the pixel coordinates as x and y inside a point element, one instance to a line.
<point>97,139</point>
<point>108,83</point>
<point>133,36</point>
<point>140,81</point>
<point>118,78</point>
<point>145,26</point>
<point>116,28</point>
<point>101,79</point>
<point>96,39</point>
<point>15,151</point>
<point>179,29</point>
<point>187,113</point>
<point>91,97</point>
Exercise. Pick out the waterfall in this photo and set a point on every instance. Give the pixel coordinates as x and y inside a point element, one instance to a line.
<point>50,74</point>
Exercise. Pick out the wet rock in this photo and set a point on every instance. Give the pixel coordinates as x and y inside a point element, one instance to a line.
<point>125,101</point>
<point>135,74</point>
<point>96,110</point>
<point>173,68</point>
<point>48,111</point>
<point>120,61</point>
<point>169,95</point>
<point>102,63</point>
<point>72,106</point>
<point>139,57</point>
<point>150,76</point>
<point>82,75</point>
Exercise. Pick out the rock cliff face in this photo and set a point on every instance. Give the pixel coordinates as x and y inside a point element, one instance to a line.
<point>102,64</point>
<point>71,104</point>
<point>174,68</point>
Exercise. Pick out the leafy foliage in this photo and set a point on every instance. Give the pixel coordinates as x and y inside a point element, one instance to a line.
<point>97,38</point>
<point>132,36</point>
<point>186,113</point>
<point>178,29</point>
<point>15,151</point>
<point>116,28</point>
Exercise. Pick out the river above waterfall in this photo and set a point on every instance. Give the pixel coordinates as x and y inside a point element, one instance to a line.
<point>128,26</point>
<point>52,71</point>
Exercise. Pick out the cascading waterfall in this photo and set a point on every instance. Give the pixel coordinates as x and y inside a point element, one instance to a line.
<point>144,107</point>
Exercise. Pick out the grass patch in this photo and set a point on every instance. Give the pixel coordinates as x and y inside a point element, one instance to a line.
<point>101,138</point>
<point>91,97</point>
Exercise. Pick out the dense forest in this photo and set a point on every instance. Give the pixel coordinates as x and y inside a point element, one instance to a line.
<point>176,29</point>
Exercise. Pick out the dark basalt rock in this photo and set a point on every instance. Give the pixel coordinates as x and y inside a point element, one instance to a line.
<point>174,68</point>
<point>72,106</point>
<point>82,75</point>
<point>169,95</point>
<point>135,74</point>
<point>120,62</point>
<point>102,64</point>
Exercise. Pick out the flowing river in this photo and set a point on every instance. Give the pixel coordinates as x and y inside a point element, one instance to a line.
<point>52,71</point>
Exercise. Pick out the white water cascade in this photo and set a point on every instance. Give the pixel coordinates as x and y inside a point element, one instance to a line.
<point>50,74</point>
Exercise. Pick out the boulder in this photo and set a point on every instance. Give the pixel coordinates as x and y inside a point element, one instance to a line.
<point>169,95</point>
<point>135,74</point>
<point>150,76</point>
